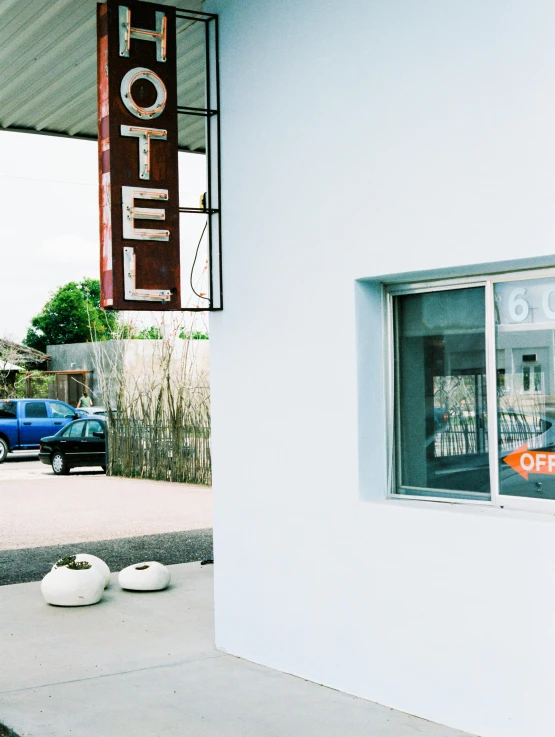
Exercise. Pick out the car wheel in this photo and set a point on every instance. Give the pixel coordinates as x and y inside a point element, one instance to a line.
<point>3,450</point>
<point>59,465</point>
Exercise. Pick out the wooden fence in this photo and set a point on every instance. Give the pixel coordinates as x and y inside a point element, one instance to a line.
<point>160,452</point>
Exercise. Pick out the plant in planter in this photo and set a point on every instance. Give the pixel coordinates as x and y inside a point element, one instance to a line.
<point>89,558</point>
<point>147,576</point>
<point>74,583</point>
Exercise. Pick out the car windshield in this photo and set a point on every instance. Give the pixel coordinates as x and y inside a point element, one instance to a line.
<point>8,410</point>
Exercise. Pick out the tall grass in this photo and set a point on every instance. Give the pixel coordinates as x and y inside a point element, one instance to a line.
<point>158,406</point>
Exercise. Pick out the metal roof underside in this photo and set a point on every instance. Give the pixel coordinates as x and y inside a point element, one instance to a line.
<point>48,63</point>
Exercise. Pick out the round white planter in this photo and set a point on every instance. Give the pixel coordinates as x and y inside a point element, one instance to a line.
<point>95,562</point>
<point>66,587</point>
<point>147,576</point>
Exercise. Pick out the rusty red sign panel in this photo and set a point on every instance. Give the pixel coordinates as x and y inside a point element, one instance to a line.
<point>137,139</point>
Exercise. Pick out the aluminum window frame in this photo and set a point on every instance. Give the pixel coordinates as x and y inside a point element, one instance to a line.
<point>488,282</point>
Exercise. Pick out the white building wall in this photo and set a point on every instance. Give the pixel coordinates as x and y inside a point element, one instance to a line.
<point>365,138</point>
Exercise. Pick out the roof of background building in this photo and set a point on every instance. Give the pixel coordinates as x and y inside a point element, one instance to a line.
<point>19,352</point>
<point>48,61</point>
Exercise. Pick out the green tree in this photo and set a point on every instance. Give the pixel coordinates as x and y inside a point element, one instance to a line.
<point>72,315</point>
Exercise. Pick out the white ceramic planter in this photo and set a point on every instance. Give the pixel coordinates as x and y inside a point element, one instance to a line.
<point>95,562</point>
<point>147,576</point>
<point>66,587</point>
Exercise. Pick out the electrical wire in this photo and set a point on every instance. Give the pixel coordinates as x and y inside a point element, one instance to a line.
<point>194,262</point>
<point>49,181</point>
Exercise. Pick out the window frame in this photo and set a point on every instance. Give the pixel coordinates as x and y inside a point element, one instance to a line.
<point>52,402</point>
<point>68,428</point>
<point>389,291</point>
<point>88,422</point>
<point>26,405</point>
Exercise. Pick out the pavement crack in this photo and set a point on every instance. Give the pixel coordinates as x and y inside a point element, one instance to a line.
<point>211,656</point>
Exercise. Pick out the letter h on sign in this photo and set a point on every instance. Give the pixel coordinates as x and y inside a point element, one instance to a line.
<point>137,83</point>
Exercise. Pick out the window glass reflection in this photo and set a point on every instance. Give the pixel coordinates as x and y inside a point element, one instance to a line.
<point>525,341</point>
<point>441,407</point>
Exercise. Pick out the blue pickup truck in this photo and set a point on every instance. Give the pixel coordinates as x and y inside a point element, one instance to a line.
<point>23,422</point>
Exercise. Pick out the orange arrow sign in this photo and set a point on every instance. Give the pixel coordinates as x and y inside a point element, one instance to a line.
<point>525,461</point>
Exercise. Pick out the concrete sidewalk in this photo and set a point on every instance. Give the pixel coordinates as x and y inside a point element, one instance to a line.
<point>144,665</point>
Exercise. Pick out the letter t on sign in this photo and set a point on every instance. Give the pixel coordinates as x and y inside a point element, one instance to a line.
<point>144,135</point>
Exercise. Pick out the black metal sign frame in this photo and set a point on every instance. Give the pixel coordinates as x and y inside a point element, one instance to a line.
<point>212,204</point>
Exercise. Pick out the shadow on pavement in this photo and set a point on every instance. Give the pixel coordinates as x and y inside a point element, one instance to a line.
<point>76,472</point>
<point>21,459</point>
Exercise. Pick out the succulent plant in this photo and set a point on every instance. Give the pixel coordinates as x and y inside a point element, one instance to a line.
<point>78,565</point>
<point>65,561</point>
<point>68,561</point>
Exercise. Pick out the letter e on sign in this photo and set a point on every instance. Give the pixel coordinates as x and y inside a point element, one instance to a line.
<point>137,139</point>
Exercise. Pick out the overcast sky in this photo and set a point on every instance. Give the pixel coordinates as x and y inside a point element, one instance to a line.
<point>49,195</point>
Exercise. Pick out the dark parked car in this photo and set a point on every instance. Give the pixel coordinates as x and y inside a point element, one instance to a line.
<point>81,443</point>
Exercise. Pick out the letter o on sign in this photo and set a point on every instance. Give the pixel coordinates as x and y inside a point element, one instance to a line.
<point>146,113</point>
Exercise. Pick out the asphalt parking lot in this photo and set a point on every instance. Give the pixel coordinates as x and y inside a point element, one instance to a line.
<point>123,521</point>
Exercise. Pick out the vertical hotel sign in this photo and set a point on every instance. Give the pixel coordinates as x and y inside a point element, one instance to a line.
<point>137,138</point>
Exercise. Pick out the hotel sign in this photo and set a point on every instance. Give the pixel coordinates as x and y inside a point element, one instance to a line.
<point>137,138</point>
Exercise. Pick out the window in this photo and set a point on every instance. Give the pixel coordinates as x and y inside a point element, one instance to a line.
<point>74,430</point>
<point>61,410</point>
<point>441,391</point>
<point>525,343</point>
<point>463,353</point>
<point>8,410</point>
<point>35,410</point>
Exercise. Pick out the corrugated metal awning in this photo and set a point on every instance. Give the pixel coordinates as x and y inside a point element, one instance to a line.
<point>48,62</point>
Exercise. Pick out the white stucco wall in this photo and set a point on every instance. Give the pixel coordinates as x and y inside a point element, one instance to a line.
<point>365,138</point>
